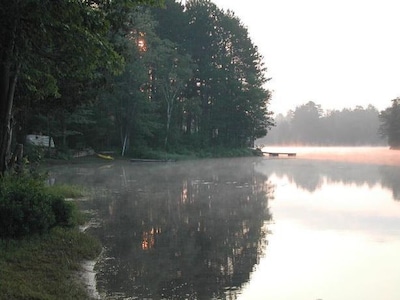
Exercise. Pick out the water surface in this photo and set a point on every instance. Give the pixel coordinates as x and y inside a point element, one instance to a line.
<point>245,228</point>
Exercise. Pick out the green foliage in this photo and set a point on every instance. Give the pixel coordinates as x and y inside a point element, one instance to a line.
<point>34,154</point>
<point>66,191</point>
<point>390,124</point>
<point>195,85</point>
<point>64,211</point>
<point>229,77</point>
<point>26,207</point>
<point>225,152</point>
<point>117,75</point>
<point>51,48</point>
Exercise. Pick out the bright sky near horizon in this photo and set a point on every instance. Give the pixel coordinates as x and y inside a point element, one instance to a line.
<point>337,53</point>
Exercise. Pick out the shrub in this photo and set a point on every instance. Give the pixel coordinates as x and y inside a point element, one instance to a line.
<point>63,211</point>
<point>27,208</point>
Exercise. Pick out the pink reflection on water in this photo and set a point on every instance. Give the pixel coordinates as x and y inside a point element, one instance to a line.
<point>338,241</point>
<point>370,155</point>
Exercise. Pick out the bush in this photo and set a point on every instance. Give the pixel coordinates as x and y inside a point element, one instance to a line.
<point>27,208</point>
<point>63,211</point>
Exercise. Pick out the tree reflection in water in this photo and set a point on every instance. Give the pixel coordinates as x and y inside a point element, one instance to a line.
<point>311,175</point>
<point>181,231</point>
<point>195,230</point>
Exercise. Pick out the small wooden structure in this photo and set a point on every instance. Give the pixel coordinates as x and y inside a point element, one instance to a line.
<point>276,154</point>
<point>40,140</point>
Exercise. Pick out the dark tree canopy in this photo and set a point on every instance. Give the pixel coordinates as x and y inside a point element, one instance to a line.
<point>43,43</point>
<point>125,75</point>
<point>229,79</point>
<point>390,124</point>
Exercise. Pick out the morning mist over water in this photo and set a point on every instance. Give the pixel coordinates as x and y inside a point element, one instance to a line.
<point>247,228</point>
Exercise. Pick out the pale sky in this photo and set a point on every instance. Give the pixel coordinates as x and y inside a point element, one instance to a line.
<point>337,53</point>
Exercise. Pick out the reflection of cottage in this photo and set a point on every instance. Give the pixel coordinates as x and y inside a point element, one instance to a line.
<point>40,140</point>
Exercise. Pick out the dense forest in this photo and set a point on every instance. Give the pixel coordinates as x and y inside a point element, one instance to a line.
<point>390,124</point>
<point>310,124</point>
<point>129,77</point>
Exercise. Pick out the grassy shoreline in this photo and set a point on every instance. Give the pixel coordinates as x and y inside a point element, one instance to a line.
<point>42,262</point>
<point>46,266</point>
<point>216,152</point>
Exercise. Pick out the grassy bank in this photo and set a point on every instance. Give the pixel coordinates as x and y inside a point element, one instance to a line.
<point>147,153</point>
<point>186,154</point>
<point>46,267</point>
<point>41,247</point>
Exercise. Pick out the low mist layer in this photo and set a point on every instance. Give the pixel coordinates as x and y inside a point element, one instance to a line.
<point>370,155</point>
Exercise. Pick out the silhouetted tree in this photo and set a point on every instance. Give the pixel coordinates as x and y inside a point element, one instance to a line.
<point>229,79</point>
<point>390,124</point>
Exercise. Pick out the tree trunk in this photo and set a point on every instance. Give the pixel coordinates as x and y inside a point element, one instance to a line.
<point>125,136</point>
<point>125,144</point>
<point>64,130</point>
<point>169,114</point>
<point>16,162</point>
<point>8,83</point>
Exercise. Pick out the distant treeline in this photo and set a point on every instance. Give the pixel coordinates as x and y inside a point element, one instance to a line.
<point>309,124</point>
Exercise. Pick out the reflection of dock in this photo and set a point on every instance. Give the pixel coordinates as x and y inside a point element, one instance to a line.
<point>276,154</point>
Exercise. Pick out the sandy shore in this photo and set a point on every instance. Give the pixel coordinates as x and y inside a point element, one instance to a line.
<point>88,274</point>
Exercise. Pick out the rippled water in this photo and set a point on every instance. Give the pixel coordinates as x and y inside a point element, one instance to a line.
<point>295,228</point>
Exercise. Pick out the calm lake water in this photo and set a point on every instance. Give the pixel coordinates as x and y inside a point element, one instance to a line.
<point>279,228</point>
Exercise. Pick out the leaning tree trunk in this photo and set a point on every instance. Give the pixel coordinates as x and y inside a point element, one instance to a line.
<point>8,80</point>
<point>8,83</point>
<point>125,136</point>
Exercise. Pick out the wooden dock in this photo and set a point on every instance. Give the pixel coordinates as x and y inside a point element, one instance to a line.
<point>277,154</point>
<point>140,160</point>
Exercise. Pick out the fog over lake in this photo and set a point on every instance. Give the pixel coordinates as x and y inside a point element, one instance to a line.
<point>310,227</point>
